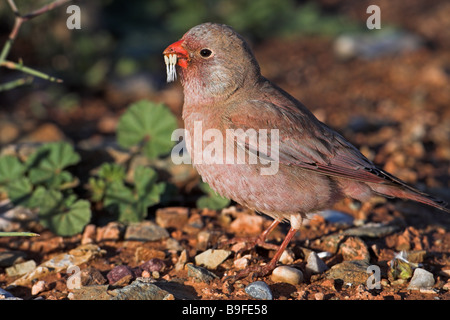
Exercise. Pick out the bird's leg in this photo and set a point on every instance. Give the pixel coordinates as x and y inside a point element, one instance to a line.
<point>260,271</point>
<point>258,241</point>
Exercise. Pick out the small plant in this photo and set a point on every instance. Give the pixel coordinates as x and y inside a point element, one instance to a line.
<point>211,200</point>
<point>149,126</point>
<point>129,202</point>
<point>43,183</point>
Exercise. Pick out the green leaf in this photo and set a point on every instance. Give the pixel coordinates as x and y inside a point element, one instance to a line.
<point>63,216</point>
<point>149,125</point>
<point>111,172</point>
<point>130,204</point>
<point>212,200</point>
<point>10,169</point>
<point>47,164</point>
<point>20,191</point>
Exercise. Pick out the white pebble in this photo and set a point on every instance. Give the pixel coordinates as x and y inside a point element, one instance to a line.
<point>38,287</point>
<point>287,274</point>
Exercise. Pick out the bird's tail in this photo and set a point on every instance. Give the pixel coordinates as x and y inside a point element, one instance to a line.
<point>410,193</point>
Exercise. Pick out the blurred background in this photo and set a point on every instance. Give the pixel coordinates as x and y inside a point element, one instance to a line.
<point>386,90</point>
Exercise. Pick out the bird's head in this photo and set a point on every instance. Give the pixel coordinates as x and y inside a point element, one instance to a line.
<point>213,59</point>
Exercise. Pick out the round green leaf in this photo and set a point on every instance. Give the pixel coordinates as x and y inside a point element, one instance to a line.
<point>149,125</point>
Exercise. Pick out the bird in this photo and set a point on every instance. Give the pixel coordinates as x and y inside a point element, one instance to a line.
<point>224,92</point>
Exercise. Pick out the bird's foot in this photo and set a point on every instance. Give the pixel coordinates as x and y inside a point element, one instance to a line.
<point>253,272</point>
<point>249,243</point>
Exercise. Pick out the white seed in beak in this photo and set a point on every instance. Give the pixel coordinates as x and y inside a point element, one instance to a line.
<point>171,61</point>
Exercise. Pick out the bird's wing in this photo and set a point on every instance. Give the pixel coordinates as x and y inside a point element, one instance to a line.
<point>303,141</point>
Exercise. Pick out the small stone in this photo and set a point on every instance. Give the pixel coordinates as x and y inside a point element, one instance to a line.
<point>247,224</point>
<point>141,289</point>
<point>354,248</point>
<point>38,287</point>
<point>47,132</point>
<point>89,234</point>
<point>211,259</point>
<point>5,294</point>
<point>111,232</point>
<point>422,279</point>
<point>287,274</point>
<point>315,265</point>
<point>181,261</point>
<point>259,290</point>
<point>173,244</point>
<point>241,263</point>
<point>60,262</point>
<point>203,238</point>
<point>194,224</point>
<point>353,272</point>
<point>145,231</point>
<point>287,257</point>
<point>145,274</point>
<point>319,296</point>
<point>120,275</point>
<point>445,273</point>
<point>21,268</point>
<point>9,258</point>
<point>95,292</point>
<point>91,276</point>
<point>372,230</point>
<point>201,274</point>
<point>446,286</point>
<point>333,216</point>
<point>172,217</point>
<point>145,254</point>
<point>152,265</point>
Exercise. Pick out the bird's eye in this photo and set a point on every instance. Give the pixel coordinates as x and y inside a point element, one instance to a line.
<point>205,53</point>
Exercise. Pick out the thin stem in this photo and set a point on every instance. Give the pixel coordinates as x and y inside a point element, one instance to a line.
<point>15,83</point>
<point>19,234</point>
<point>36,73</point>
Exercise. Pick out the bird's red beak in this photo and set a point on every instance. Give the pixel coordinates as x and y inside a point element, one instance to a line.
<point>181,53</point>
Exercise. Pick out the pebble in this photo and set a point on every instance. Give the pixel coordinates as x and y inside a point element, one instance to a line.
<point>120,275</point>
<point>172,217</point>
<point>371,230</point>
<point>182,259</point>
<point>145,231</point>
<point>141,289</point>
<point>89,234</point>
<point>287,257</point>
<point>248,224</point>
<point>5,294</point>
<point>354,272</point>
<point>287,274</point>
<point>203,239</point>
<point>333,216</point>
<point>315,265</point>
<point>242,263</point>
<point>152,265</point>
<point>200,274</point>
<point>21,268</point>
<point>259,290</point>
<point>354,248</point>
<point>38,287</point>
<point>211,259</point>
<point>62,261</point>
<point>145,254</point>
<point>422,279</point>
<point>9,258</point>
<point>91,276</point>
<point>113,231</point>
